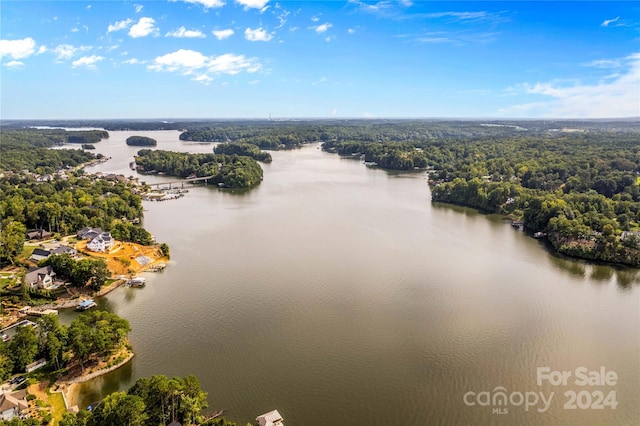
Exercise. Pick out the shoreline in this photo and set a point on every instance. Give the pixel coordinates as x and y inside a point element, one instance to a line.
<point>71,388</point>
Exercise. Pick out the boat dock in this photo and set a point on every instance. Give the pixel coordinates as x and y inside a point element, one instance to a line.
<point>41,313</point>
<point>86,304</point>
<point>136,282</point>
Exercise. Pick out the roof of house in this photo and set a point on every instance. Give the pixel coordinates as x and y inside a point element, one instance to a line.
<point>41,252</point>
<point>89,232</point>
<point>271,418</point>
<point>13,400</point>
<point>34,275</point>
<point>62,249</point>
<point>38,233</point>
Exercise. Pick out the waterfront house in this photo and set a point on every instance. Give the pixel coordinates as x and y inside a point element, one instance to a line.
<point>102,242</point>
<point>35,365</point>
<point>39,254</point>
<point>88,233</point>
<point>64,249</point>
<point>13,404</point>
<point>38,234</point>
<point>40,277</point>
<point>272,418</point>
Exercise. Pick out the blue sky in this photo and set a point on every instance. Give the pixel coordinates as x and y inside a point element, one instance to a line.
<point>316,59</point>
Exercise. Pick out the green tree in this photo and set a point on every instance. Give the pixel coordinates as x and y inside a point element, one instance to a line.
<point>12,236</point>
<point>17,421</point>
<point>6,361</point>
<point>120,409</point>
<point>171,399</point>
<point>92,272</point>
<point>23,347</point>
<point>52,338</point>
<point>96,333</point>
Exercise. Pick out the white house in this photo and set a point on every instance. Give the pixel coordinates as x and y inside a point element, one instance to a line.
<point>13,404</point>
<point>35,365</point>
<point>102,242</point>
<point>40,277</point>
<point>272,418</point>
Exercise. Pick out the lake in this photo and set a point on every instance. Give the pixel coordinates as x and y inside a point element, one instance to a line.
<point>340,295</point>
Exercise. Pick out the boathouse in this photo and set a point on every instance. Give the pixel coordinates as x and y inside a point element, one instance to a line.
<point>272,418</point>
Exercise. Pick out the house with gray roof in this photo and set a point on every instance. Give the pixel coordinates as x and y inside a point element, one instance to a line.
<point>40,277</point>
<point>13,404</point>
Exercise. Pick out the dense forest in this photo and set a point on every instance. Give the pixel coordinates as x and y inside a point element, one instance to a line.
<point>27,150</point>
<point>579,186</point>
<point>243,149</point>
<point>231,171</point>
<point>90,335</point>
<point>576,181</point>
<point>141,141</point>
<point>86,136</point>
<point>60,203</point>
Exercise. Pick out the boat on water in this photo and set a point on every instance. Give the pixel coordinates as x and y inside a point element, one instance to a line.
<point>86,304</point>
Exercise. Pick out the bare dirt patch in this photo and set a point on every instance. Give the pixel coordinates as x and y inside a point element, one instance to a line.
<point>126,258</point>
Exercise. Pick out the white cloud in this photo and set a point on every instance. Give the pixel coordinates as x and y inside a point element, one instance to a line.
<point>74,30</point>
<point>257,34</point>
<point>320,29</point>
<point>202,78</point>
<point>616,96</point>
<point>252,4</point>
<point>87,61</point>
<point>458,15</point>
<point>17,49</point>
<point>406,3</point>
<point>88,6</point>
<point>610,21</point>
<point>132,61</point>
<point>207,3</point>
<point>182,32</point>
<point>191,62</point>
<point>315,18</point>
<point>119,25</point>
<point>604,63</point>
<point>252,82</point>
<point>64,51</point>
<point>138,7</point>
<point>351,31</point>
<point>179,60</point>
<point>322,80</point>
<point>144,27</point>
<point>282,17</point>
<point>41,50</point>
<point>222,34</point>
<point>14,64</point>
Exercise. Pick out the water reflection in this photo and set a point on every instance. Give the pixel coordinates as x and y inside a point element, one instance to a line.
<point>334,291</point>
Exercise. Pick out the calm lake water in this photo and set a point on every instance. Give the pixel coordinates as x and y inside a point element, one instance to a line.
<point>340,295</point>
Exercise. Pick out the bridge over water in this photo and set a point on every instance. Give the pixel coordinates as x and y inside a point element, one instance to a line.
<point>182,181</point>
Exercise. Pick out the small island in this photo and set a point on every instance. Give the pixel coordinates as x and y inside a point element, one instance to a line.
<point>141,141</point>
<point>88,146</point>
<point>225,171</point>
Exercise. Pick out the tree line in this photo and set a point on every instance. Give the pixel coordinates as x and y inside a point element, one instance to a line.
<point>66,205</point>
<point>579,186</point>
<point>90,336</point>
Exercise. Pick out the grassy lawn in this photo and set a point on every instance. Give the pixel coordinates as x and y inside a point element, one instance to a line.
<point>57,405</point>
<point>4,282</point>
<point>27,250</point>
